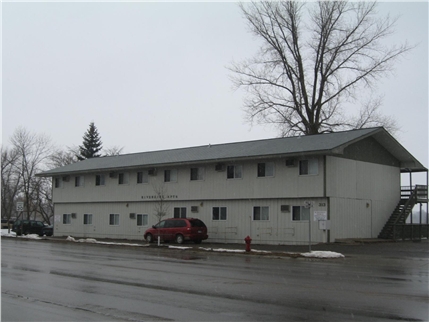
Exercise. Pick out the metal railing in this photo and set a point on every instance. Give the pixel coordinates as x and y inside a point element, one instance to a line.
<point>403,230</point>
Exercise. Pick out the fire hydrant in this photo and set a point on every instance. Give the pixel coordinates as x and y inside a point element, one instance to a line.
<point>248,240</point>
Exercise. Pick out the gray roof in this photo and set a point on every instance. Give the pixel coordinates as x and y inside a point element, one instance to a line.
<point>330,143</point>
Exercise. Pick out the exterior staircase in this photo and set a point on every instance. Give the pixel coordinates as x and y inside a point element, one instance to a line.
<point>395,227</point>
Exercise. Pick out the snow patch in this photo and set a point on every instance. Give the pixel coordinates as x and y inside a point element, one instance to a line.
<point>30,236</point>
<point>179,247</point>
<point>94,241</point>
<point>5,233</point>
<point>322,254</point>
<point>223,250</point>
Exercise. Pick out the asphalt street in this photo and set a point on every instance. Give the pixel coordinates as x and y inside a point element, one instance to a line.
<point>48,280</point>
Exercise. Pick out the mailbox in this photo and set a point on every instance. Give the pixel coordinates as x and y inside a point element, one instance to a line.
<point>324,224</point>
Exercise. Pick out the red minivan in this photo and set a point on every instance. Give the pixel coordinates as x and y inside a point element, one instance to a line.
<point>178,229</point>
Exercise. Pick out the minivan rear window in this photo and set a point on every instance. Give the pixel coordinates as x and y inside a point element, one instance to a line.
<point>197,223</point>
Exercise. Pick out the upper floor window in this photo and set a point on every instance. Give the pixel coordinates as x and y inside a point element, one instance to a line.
<point>100,180</point>
<point>197,174</point>
<point>57,182</point>
<point>123,178</point>
<point>266,169</point>
<point>300,213</point>
<point>234,171</point>
<point>310,166</point>
<point>261,213</point>
<point>170,175</point>
<point>143,177</point>
<point>78,181</point>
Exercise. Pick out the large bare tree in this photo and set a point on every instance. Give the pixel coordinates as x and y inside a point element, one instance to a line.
<point>313,59</point>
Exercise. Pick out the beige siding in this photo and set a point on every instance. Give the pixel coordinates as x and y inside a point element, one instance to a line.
<point>279,229</point>
<point>286,183</point>
<point>359,197</point>
<point>362,197</point>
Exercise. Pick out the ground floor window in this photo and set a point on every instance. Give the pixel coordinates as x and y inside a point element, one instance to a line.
<point>67,219</point>
<point>114,219</point>
<point>219,213</point>
<point>87,219</point>
<point>142,220</point>
<point>261,213</point>
<point>180,212</point>
<point>300,213</point>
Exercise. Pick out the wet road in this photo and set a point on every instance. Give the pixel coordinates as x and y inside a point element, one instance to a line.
<point>53,281</point>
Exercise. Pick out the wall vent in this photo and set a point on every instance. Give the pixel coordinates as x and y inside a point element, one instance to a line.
<point>132,215</point>
<point>194,208</point>
<point>285,208</point>
<point>73,215</point>
<point>291,163</point>
<point>220,167</point>
<point>152,172</point>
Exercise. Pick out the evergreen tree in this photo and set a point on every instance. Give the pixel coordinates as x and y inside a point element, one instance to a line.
<point>91,144</point>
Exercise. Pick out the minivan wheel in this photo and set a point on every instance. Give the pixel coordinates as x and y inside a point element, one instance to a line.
<point>149,238</point>
<point>179,239</point>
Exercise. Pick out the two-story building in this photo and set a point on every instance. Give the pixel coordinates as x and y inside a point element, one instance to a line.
<point>278,191</point>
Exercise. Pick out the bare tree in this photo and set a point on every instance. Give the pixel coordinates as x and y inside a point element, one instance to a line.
<point>161,205</point>
<point>312,62</point>
<point>114,150</point>
<point>60,158</point>
<point>10,182</point>
<point>33,151</point>
<point>42,199</point>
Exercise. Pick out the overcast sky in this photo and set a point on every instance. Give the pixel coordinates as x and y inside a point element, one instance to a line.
<point>153,76</point>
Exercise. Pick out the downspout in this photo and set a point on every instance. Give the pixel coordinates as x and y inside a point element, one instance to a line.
<point>328,232</point>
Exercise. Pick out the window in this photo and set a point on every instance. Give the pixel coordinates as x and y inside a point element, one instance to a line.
<point>266,169</point>
<point>300,213</point>
<point>99,180</point>
<point>142,177</point>
<point>67,219</point>
<point>197,174</point>
<point>175,223</point>
<point>123,178</point>
<point>180,212</point>
<point>114,220</point>
<point>219,213</point>
<point>234,171</point>
<point>57,182</point>
<point>170,175</point>
<point>261,213</point>
<point>87,219</point>
<point>309,167</point>
<point>78,181</point>
<point>142,220</point>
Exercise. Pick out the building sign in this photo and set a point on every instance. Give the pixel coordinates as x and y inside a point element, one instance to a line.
<point>156,197</point>
<point>320,215</point>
